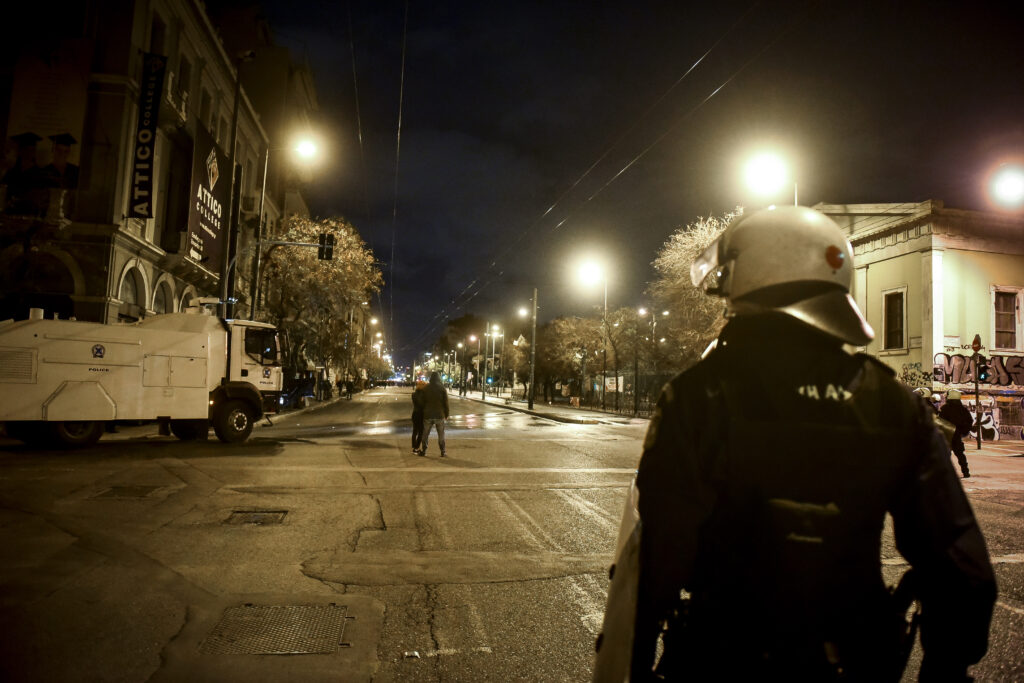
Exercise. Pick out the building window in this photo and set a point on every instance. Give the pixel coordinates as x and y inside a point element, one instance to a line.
<point>184,76</point>
<point>1006,305</point>
<point>206,109</point>
<point>894,321</point>
<point>129,293</point>
<point>157,35</point>
<point>163,302</point>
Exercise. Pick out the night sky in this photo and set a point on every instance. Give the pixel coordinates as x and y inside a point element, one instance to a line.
<point>510,109</point>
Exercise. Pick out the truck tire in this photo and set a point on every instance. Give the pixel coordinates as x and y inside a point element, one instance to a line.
<point>190,430</point>
<point>233,421</point>
<point>75,434</point>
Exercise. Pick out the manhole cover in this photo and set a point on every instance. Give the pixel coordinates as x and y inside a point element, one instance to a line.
<point>278,630</point>
<point>128,492</point>
<point>259,517</point>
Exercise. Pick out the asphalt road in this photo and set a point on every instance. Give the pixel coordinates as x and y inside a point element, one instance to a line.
<point>326,541</point>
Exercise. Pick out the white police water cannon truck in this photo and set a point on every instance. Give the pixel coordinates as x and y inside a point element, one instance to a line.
<point>64,381</point>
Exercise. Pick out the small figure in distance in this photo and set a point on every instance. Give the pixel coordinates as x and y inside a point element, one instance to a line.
<point>750,550</point>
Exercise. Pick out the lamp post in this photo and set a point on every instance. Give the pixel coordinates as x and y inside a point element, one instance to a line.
<point>591,272</point>
<point>306,149</point>
<point>636,361</point>
<point>477,339</point>
<point>533,348</point>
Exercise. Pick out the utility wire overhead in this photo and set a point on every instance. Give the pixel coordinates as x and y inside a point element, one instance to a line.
<point>445,310</point>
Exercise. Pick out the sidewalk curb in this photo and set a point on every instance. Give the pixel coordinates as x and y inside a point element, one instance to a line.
<point>281,416</point>
<point>536,413</point>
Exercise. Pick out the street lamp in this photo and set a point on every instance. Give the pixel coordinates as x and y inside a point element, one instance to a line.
<point>1006,186</point>
<point>533,346</point>
<point>591,273</point>
<point>766,174</point>
<point>307,150</point>
<point>477,339</point>
<point>494,333</point>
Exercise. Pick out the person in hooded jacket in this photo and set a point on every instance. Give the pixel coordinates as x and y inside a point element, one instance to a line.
<point>954,412</point>
<point>435,412</point>
<point>750,547</point>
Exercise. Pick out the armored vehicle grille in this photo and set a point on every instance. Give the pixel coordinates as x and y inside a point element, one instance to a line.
<point>17,365</point>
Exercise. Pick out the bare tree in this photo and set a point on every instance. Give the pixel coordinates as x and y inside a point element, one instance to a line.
<point>696,318</point>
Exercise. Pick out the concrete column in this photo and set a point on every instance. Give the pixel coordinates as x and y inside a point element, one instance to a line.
<point>860,293</point>
<point>932,322</point>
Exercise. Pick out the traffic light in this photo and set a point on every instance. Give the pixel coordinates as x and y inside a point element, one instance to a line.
<point>326,250</point>
<point>983,370</point>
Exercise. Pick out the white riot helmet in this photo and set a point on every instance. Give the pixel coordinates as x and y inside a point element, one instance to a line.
<point>791,259</point>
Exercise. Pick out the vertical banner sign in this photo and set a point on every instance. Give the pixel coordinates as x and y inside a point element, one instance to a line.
<point>151,87</point>
<point>207,218</point>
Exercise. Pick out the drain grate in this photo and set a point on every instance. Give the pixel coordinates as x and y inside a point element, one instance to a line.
<point>128,492</point>
<point>278,630</point>
<point>257,517</point>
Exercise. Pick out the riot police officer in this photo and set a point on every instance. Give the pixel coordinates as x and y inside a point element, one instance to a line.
<point>751,543</point>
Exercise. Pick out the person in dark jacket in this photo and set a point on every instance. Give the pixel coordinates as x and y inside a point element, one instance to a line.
<point>418,399</point>
<point>751,544</point>
<point>435,412</point>
<point>954,412</point>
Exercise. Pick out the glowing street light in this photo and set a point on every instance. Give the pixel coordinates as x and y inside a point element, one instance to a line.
<point>766,174</point>
<point>305,149</point>
<point>1007,186</point>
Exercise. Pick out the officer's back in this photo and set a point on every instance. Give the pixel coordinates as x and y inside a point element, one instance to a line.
<point>766,476</point>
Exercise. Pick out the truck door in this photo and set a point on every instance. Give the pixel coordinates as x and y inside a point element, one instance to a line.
<point>259,361</point>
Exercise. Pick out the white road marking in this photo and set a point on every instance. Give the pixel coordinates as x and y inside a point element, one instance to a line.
<point>592,511</point>
<point>1016,558</point>
<point>1017,610</point>
<point>589,605</point>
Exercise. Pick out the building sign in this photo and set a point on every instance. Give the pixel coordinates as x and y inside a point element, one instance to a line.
<point>151,87</point>
<point>207,213</point>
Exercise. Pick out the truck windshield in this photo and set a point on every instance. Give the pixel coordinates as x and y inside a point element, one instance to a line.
<point>261,345</point>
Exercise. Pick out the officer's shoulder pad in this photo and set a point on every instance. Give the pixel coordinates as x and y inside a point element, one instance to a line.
<point>876,362</point>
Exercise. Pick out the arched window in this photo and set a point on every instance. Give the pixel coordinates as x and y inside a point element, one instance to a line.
<point>163,302</point>
<point>129,288</point>
<point>133,296</point>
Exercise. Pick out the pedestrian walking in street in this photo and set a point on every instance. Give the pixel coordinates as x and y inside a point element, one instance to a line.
<point>750,549</point>
<point>953,411</point>
<point>418,400</point>
<point>435,412</point>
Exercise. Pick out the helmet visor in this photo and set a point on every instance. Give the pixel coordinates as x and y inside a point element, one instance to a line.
<point>704,265</point>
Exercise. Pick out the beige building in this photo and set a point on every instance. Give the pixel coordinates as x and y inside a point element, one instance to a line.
<point>135,230</point>
<point>929,279</point>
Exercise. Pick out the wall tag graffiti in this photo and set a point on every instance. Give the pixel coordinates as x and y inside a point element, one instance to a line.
<point>831,393</point>
<point>960,369</point>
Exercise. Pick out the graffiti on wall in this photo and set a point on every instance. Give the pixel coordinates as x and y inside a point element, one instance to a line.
<point>960,369</point>
<point>989,418</point>
<point>913,375</point>
<point>1005,372</point>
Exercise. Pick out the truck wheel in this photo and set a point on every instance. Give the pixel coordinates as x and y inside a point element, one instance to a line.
<point>74,434</point>
<point>233,422</point>
<point>190,430</point>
